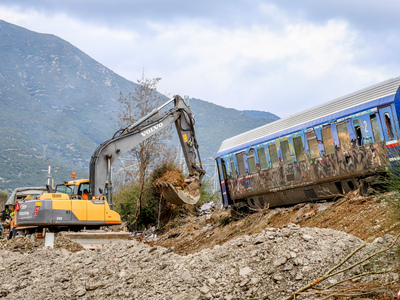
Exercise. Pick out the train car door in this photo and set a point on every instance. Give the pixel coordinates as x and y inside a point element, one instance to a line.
<point>222,181</point>
<point>390,131</point>
<point>388,123</point>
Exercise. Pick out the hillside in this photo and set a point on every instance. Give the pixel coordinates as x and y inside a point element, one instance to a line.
<point>53,102</point>
<point>261,114</point>
<point>57,105</point>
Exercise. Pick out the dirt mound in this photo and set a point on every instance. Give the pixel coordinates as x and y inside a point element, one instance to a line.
<point>62,242</point>
<point>20,244</point>
<point>173,177</point>
<point>27,245</point>
<point>364,217</point>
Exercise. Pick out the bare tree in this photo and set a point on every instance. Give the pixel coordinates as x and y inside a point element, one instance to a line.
<point>152,151</point>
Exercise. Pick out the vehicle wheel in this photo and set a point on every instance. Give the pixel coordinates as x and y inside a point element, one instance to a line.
<point>19,233</point>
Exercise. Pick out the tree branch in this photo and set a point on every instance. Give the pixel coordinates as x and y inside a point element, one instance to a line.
<point>330,274</point>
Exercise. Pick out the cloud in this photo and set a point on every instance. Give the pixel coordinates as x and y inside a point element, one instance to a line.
<point>255,55</point>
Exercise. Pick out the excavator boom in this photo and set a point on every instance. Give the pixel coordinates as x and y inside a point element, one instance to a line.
<point>126,139</point>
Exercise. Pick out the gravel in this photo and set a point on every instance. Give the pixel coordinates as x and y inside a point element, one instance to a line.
<point>247,267</point>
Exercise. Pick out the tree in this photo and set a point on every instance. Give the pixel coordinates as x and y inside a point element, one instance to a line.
<point>152,151</point>
<point>3,199</point>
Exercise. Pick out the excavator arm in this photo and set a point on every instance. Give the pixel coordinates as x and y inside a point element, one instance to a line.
<point>126,139</point>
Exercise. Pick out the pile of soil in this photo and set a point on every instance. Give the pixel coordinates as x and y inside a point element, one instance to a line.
<point>20,244</point>
<point>27,245</point>
<point>173,177</point>
<point>366,218</point>
<point>62,242</point>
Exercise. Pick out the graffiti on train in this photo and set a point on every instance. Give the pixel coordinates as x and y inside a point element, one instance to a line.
<point>357,161</point>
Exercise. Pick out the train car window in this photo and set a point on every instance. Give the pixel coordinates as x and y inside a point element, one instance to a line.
<point>343,135</point>
<point>375,128</point>
<point>357,131</point>
<point>240,161</point>
<point>298,148</point>
<point>327,140</point>
<point>233,168</point>
<point>287,158</point>
<point>313,144</point>
<point>251,161</point>
<point>273,155</point>
<point>389,127</point>
<point>225,173</point>
<point>262,158</point>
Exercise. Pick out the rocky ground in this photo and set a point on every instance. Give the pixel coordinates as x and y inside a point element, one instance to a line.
<point>268,255</point>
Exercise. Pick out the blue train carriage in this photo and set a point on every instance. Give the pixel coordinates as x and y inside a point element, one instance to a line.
<point>320,153</point>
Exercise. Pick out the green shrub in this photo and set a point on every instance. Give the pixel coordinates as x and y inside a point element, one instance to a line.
<point>390,181</point>
<point>125,201</point>
<point>3,196</point>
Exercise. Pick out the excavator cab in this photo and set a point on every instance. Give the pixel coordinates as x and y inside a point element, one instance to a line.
<point>73,188</point>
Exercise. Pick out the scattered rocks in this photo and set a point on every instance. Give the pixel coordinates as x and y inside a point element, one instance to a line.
<point>245,271</point>
<point>61,242</point>
<point>20,244</point>
<point>247,267</point>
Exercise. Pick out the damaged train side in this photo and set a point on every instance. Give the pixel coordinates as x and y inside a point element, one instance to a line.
<point>320,153</point>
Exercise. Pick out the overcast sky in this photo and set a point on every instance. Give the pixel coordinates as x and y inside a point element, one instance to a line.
<point>277,56</point>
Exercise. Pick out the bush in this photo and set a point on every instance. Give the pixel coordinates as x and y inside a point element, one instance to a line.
<point>153,212</point>
<point>3,196</point>
<point>390,181</point>
<point>165,210</point>
<point>125,201</point>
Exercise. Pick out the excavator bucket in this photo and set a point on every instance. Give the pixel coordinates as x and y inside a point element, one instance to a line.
<point>177,192</point>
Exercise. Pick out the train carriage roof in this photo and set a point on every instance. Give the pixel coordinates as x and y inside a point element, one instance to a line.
<point>375,95</point>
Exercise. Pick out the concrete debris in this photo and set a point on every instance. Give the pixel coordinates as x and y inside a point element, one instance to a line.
<point>148,234</point>
<point>246,267</point>
<point>207,208</point>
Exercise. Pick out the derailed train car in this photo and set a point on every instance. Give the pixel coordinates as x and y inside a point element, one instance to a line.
<point>317,154</point>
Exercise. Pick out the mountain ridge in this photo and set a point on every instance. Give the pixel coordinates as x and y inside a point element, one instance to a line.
<point>57,105</point>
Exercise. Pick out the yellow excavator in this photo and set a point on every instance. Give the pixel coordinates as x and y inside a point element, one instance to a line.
<point>79,204</point>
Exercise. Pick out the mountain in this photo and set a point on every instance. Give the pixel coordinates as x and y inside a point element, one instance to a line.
<point>57,105</point>
<point>261,114</point>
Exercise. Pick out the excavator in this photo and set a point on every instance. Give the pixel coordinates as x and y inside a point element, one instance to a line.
<point>87,204</point>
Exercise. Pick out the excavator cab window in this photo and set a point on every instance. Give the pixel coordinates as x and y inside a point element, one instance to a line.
<point>83,187</point>
<point>62,188</point>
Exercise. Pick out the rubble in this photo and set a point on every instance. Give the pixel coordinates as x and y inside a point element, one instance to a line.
<point>246,267</point>
<point>173,177</point>
<point>61,242</point>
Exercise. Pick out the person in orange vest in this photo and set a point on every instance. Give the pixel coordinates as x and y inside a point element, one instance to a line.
<point>85,194</point>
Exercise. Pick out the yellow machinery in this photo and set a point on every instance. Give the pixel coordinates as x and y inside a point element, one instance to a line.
<point>86,203</point>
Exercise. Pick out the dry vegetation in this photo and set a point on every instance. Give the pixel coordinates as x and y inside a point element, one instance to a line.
<point>364,217</point>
